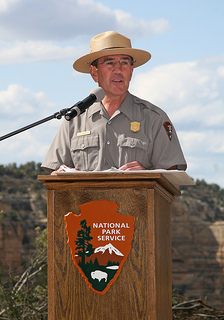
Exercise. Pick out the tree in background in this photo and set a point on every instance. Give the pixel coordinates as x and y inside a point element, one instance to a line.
<point>25,297</point>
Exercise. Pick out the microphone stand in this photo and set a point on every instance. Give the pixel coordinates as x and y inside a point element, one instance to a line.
<point>57,115</point>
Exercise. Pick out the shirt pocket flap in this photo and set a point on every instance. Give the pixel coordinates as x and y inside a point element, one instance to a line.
<point>84,142</point>
<point>132,142</point>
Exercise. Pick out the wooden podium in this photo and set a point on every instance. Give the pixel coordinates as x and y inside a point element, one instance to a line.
<point>143,290</point>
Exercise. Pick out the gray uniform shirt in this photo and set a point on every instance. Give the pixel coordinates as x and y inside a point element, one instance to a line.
<point>137,131</point>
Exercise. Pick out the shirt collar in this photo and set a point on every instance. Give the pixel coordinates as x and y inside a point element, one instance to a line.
<point>96,107</point>
<point>125,107</point>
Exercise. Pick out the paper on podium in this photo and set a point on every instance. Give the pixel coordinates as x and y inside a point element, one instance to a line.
<point>176,177</point>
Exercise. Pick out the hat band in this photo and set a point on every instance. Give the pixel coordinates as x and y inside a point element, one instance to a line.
<point>114,48</point>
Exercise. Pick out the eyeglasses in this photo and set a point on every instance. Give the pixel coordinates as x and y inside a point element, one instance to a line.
<point>111,63</point>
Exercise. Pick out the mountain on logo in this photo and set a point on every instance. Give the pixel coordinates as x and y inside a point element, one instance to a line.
<point>110,248</point>
<point>106,253</point>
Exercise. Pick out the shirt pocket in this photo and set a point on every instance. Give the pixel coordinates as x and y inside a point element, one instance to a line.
<point>134,149</point>
<point>85,152</point>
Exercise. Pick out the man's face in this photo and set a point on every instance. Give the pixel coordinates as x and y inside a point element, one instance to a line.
<point>113,73</point>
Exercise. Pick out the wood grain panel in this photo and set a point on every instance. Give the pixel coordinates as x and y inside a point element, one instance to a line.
<point>124,292</point>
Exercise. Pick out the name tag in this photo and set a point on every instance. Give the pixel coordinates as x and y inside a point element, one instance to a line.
<point>84,133</point>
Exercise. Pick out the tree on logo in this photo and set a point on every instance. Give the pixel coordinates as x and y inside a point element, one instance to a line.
<point>84,247</point>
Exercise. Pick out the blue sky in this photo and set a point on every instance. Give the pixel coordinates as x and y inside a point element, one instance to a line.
<point>40,40</point>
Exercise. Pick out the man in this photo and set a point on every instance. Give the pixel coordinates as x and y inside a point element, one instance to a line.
<point>122,131</point>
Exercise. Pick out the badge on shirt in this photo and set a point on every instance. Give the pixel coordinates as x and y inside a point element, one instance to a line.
<point>169,128</point>
<point>135,126</point>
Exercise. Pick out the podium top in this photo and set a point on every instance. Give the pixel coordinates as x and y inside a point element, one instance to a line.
<point>167,178</point>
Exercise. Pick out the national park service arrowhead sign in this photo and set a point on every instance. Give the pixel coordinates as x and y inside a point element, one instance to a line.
<point>100,242</point>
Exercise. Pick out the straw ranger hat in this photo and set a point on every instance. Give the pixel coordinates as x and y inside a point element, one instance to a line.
<point>110,43</point>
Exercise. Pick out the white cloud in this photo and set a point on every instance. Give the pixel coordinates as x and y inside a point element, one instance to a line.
<point>17,101</point>
<point>21,107</point>
<point>138,27</point>
<point>33,31</point>
<point>202,143</point>
<point>5,5</point>
<point>191,92</point>
<point>220,71</point>
<point>209,169</point>
<point>70,19</point>
<point>27,146</point>
<point>35,51</point>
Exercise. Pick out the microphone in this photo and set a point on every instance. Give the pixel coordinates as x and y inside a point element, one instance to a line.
<point>96,95</point>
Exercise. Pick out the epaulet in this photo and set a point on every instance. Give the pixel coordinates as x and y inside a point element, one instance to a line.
<point>148,105</point>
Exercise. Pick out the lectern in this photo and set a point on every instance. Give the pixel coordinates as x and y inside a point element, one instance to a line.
<point>143,288</point>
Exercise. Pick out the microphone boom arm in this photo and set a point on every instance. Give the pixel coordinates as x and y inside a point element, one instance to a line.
<point>57,115</point>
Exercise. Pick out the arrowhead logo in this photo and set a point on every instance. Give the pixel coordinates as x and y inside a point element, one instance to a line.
<point>100,242</point>
<point>169,129</point>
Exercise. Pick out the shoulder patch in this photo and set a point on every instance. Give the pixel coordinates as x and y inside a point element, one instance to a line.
<point>169,129</point>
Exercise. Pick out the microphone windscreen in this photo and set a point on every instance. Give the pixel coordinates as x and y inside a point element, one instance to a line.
<point>99,93</point>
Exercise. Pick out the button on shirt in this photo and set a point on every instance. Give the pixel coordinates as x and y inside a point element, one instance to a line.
<point>94,141</point>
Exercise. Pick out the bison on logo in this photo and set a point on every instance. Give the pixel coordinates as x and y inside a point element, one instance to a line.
<point>100,242</point>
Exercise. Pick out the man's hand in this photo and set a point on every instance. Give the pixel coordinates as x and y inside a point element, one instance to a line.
<point>135,165</point>
<point>61,169</point>
<point>64,168</point>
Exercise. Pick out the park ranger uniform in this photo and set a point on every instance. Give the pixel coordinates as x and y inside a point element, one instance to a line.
<point>137,131</point>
